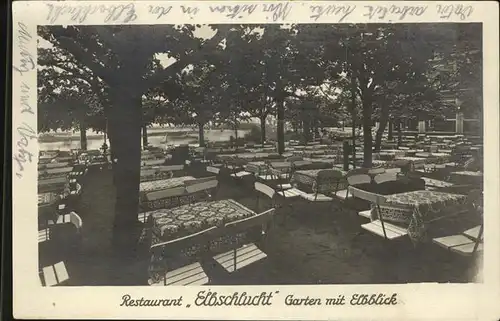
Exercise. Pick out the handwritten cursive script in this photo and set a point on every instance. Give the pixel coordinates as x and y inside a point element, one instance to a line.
<point>22,155</point>
<point>79,13</point>
<point>397,12</point>
<point>446,11</point>
<point>26,62</point>
<point>319,11</point>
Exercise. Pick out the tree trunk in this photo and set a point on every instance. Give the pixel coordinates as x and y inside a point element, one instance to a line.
<point>263,129</point>
<point>83,136</point>
<point>125,130</point>
<point>201,134</point>
<point>367,132</point>
<point>280,102</point>
<point>353,116</point>
<point>389,135</point>
<point>384,117</point>
<point>144,137</point>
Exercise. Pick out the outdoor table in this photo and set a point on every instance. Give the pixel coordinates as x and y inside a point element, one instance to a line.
<point>466,177</point>
<point>423,207</point>
<point>174,223</point>
<point>52,184</point>
<point>46,203</point>
<point>307,181</point>
<point>162,184</point>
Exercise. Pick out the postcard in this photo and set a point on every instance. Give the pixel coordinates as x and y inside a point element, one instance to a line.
<point>260,160</point>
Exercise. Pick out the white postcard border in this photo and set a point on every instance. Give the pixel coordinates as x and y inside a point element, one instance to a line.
<point>416,301</point>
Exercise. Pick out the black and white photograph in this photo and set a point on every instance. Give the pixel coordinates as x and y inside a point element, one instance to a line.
<point>255,160</point>
<point>260,154</point>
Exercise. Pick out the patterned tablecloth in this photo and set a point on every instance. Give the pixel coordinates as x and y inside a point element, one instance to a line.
<point>163,184</point>
<point>47,198</point>
<point>422,206</point>
<point>467,177</point>
<point>169,224</point>
<point>308,181</point>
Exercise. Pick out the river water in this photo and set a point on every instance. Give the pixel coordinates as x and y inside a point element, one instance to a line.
<point>95,141</point>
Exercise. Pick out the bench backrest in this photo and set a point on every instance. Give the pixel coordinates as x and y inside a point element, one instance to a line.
<point>165,193</point>
<point>264,189</point>
<point>359,179</point>
<point>201,186</point>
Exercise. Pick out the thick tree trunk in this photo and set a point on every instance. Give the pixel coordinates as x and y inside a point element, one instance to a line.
<point>144,137</point>
<point>125,129</point>
<point>367,132</point>
<point>384,117</point>
<point>280,102</point>
<point>263,129</point>
<point>83,136</point>
<point>201,134</point>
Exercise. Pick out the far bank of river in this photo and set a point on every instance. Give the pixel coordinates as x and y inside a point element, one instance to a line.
<point>158,137</point>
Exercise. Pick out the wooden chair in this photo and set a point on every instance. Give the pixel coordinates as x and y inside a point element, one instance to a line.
<point>71,217</point>
<point>235,166</point>
<point>249,253</point>
<point>191,274</point>
<point>355,179</point>
<point>208,186</point>
<point>54,275</point>
<point>166,198</point>
<point>324,177</point>
<point>263,189</point>
<point>379,227</point>
<point>469,242</point>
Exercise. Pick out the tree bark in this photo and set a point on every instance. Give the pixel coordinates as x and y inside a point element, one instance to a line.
<point>384,117</point>
<point>367,132</point>
<point>201,134</point>
<point>144,137</point>
<point>280,102</point>
<point>125,129</point>
<point>353,116</point>
<point>263,129</point>
<point>83,135</point>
